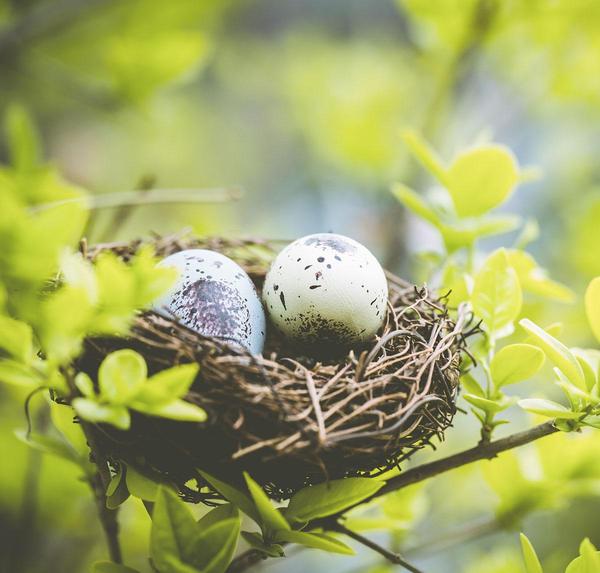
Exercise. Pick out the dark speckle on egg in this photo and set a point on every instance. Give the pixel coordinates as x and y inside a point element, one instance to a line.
<point>213,308</point>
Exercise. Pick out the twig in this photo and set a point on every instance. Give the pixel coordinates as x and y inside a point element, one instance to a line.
<point>389,555</point>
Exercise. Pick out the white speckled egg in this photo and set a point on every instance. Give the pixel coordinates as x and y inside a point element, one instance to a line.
<point>326,288</point>
<point>215,297</point>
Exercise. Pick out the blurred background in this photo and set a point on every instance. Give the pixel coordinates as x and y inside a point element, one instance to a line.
<point>300,104</point>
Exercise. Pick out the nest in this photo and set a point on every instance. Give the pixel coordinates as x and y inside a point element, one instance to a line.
<point>289,420</point>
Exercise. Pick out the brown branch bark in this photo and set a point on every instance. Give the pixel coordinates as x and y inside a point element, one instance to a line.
<point>394,558</point>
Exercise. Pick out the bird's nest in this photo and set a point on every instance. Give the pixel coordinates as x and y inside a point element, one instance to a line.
<point>289,420</point>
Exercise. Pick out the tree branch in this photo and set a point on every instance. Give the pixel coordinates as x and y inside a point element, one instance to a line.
<point>389,555</point>
<point>418,474</point>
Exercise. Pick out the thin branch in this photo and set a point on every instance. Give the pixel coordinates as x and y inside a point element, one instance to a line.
<point>394,558</point>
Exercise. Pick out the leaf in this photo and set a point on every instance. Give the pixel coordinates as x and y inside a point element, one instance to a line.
<point>214,547</point>
<point>592,306</point>
<point>331,497</point>
<point>92,411</point>
<point>548,408</point>
<point>481,179</point>
<point>63,420</point>
<point>234,496</point>
<point>426,155</point>
<point>23,139</point>
<point>49,445</point>
<point>140,485</point>
<point>314,540</point>
<point>587,562</point>
<point>496,295</point>
<point>271,519</point>
<point>411,200</point>
<point>117,492</point>
<point>556,352</point>
<point>175,410</point>
<point>12,372</point>
<point>514,363</point>
<point>256,541</point>
<point>85,385</point>
<point>16,339</point>
<point>225,511</point>
<point>168,385</point>
<point>488,404</point>
<point>121,375</point>
<point>535,280</point>
<point>532,563</point>
<point>471,385</point>
<point>110,567</point>
<point>173,529</point>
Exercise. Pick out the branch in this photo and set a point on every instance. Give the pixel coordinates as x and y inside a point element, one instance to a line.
<point>389,555</point>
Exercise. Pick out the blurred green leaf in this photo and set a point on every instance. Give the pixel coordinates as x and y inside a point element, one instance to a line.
<point>121,376</point>
<point>557,353</point>
<point>117,492</point>
<point>496,296</point>
<point>23,139</point>
<point>514,363</point>
<point>12,372</point>
<point>168,385</point>
<point>214,546</point>
<point>271,519</point>
<point>256,541</point>
<point>489,405</point>
<point>110,567</point>
<point>92,411</point>
<point>234,496</point>
<point>532,563</point>
<point>481,179</point>
<point>175,410</point>
<point>548,408</point>
<point>592,306</point>
<point>16,339</point>
<point>314,540</point>
<point>140,485</point>
<point>327,498</point>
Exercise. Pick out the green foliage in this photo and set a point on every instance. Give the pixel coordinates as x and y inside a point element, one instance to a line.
<point>587,562</point>
<point>123,385</point>
<point>179,544</point>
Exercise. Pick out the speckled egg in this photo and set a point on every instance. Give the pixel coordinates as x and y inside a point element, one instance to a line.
<point>326,288</point>
<point>215,297</point>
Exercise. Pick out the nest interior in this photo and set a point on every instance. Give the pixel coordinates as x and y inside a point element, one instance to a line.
<point>288,418</point>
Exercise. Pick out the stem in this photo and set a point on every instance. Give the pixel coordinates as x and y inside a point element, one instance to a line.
<point>389,555</point>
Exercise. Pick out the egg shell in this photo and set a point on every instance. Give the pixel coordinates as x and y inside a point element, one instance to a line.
<point>326,288</point>
<point>215,297</point>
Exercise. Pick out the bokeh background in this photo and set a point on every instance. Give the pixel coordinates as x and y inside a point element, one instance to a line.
<point>301,105</point>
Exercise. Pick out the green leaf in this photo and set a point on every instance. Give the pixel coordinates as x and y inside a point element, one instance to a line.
<point>471,385</point>
<point>117,492</point>
<point>588,561</point>
<point>16,339</point>
<point>481,179</point>
<point>411,200</point>
<point>535,280</point>
<point>17,374</point>
<point>121,375</point>
<point>592,306</point>
<point>63,420</point>
<point>331,497</point>
<point>117,416</point>
<point>110,567</point>
<point>173,529</point>
<point>426,155</point>
<point>175,410</point>
<point>234,496</point>
<point>514,363</point>
<point>168,385</point>
<point>557,353</point>
<point>271,519</point>
<point>532,563</point>
<point>23,139</point>
<point>489,405</point>
<point>85,385</point>
<point>589,372</point>
<point>225,511</point>
<point>140,485</point>
<point>496,295</point>
<point>314,540</point>
<point>214,547</point>
<point>256,541</point>
<point>548,408</point>
<point>48,445</point>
